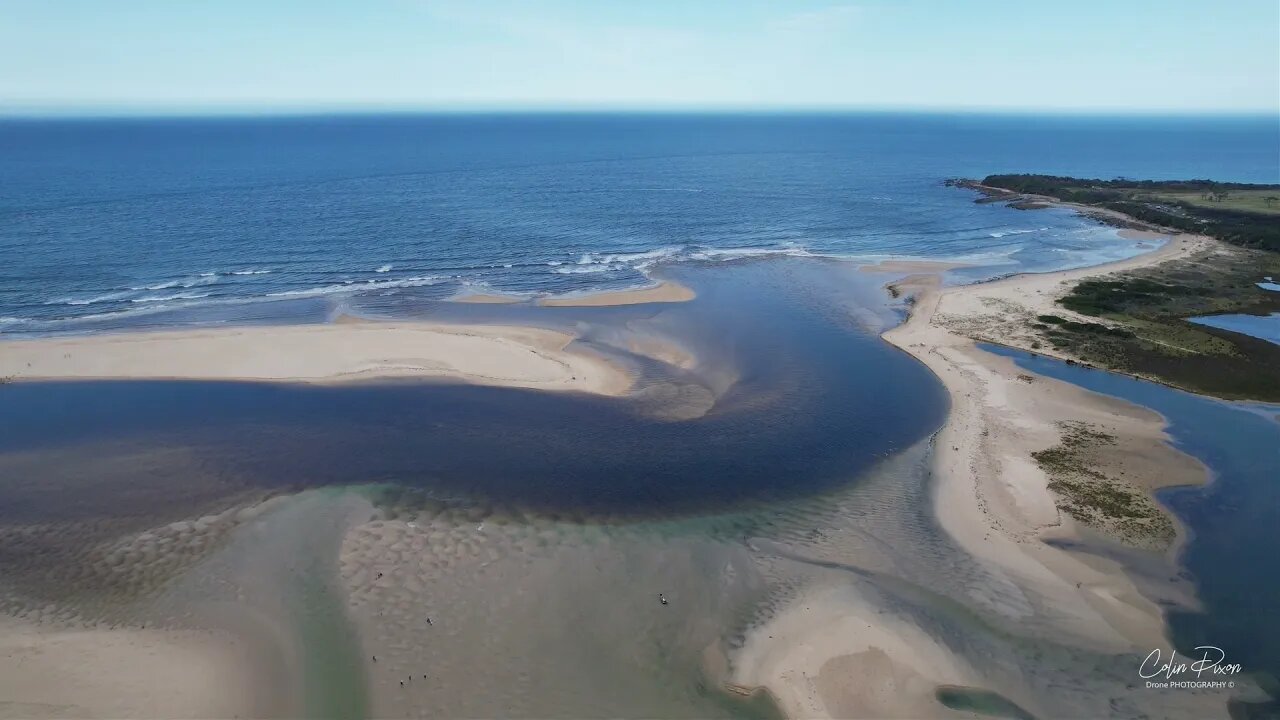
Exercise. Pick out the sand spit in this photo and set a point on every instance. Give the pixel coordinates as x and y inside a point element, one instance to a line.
<point>482,354</point>
<point>999,311</point>
<point>666,291</point>
<point>830,654</point>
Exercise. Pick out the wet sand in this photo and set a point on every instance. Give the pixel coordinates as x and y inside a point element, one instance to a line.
<point>666,291</point>
<point>51,672</point>
<point>152,625</point>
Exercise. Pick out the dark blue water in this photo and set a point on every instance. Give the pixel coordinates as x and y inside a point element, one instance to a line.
<point>816,402</point>
<point>130,219</point>
<point>1231,550</point>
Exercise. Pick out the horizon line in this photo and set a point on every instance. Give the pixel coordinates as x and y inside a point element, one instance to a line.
<point>40,111</point>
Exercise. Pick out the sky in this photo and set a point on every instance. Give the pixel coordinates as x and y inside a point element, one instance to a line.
<point>163,56</point>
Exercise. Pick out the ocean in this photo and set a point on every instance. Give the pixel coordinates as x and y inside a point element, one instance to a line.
<point>114,223</point>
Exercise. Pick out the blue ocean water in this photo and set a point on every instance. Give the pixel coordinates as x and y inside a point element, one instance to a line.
<point>133,220</point>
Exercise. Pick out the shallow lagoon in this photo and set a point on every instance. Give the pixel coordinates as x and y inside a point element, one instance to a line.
<point>1263,327</point>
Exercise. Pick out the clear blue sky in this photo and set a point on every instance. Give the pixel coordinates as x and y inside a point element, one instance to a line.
<point>289,55</point>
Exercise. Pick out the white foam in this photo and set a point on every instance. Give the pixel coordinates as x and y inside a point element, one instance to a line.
<point>383,268</point>
<point>644,260</point>
<point>583,269</point>
<point>251,272</point>
<point>1015,232</point>
<point>186,282</point>
<point>108,297</point>
<point>641,259</point>
<point>351,286</point>
<point>727,254</point>
<point>163,298</point>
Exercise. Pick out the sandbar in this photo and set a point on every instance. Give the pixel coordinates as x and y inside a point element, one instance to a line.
<point>50,672</point>
<point>508,356</point>
<point>666,291</point>
<point>910,266</point>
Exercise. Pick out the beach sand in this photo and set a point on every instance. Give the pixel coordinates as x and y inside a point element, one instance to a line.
<point>833,655</point>
<point>830,653</point>
<point>48,672</point>
<point>474,612</point>
<point>666,291</point>
<point>166,631</point>
<point>999,311</point>
<point>482,354</point>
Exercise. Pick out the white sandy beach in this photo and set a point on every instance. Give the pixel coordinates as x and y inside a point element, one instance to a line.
<point>490,355</point>
<point>992,499</point>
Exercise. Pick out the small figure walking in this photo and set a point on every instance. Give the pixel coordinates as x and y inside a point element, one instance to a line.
<point>662,598</point>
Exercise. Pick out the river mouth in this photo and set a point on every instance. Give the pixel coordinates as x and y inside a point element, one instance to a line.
<point>513,518</point>
<point>815,400</point>
<point>465,551</point>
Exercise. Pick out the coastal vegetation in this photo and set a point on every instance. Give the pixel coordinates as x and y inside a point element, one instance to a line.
<point>1247,215</point>
<point>1095,498</point>
<point>1138,322</point>
<point>1144,328</point>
